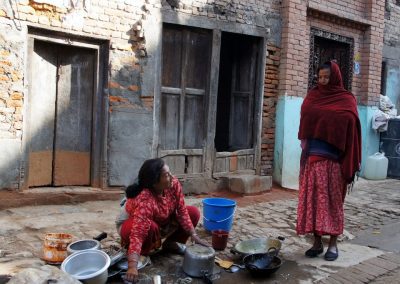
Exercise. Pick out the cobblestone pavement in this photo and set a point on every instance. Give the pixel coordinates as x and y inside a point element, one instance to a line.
<point>384,269</point>
<point>370,205</point>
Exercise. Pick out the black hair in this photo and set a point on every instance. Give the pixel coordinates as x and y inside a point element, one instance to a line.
<point>149,174</point>
<point>326,65</point>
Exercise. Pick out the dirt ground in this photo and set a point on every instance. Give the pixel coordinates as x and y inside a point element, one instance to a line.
<point>71,195</point>
<point>275,193</point>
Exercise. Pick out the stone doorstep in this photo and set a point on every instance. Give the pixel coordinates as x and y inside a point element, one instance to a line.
<point>371,269</point>
<point>239,183</point>
<point>249,184</point>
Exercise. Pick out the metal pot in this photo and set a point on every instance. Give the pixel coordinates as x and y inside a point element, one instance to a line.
<point>198,261</point>
<point>83,245</point>
<point>55,247</point>
<point>89,266</point>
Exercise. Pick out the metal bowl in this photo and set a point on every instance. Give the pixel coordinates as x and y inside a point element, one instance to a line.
<point>89,266</point>
<point>83,245</point>
<point>260,245</point>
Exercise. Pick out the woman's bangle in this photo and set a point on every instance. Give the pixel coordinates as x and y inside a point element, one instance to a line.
<point>194,235</point>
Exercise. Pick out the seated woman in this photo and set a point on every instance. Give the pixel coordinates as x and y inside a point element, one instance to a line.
<point>156,209</point>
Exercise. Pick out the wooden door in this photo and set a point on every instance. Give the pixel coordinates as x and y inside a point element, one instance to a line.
<point>60,115</point>
<point>42,114</point>
<point>72,149</point>
<point>242,95</point>
<point>184,96</point>
<point>235,130</point>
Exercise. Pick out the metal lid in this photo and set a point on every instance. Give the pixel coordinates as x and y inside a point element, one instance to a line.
<point>83,245</point>
<point>200,251</point>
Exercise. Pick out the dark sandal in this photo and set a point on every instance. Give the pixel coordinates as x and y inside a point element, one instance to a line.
<point>331,256</point>
<point>315,252</point>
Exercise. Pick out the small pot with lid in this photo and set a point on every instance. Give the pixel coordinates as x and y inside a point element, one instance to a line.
<point>198,261</point>
<point>83,245</point>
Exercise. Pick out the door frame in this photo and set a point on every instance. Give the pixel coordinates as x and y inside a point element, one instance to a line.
<point>217,27</point>
<point>98,160</point>
<point>225,157</point>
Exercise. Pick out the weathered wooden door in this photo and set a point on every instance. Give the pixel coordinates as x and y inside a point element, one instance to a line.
<point>72,146</point>
<point>242,96</point>
<point>184,96</point>
<point>60,115</point>
<point>42,114</point>
<point>235,127</point>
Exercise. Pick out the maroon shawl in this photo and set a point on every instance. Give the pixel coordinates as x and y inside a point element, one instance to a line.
<point>329,113</point>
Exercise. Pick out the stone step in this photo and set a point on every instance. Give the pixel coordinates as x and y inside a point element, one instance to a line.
<point>239,183</point>
<point>249,184</point>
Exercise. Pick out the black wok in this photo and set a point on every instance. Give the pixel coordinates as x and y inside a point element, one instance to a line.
<point>260,264</point>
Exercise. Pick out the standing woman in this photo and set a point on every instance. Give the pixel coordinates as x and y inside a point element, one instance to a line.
<point>330,135</point>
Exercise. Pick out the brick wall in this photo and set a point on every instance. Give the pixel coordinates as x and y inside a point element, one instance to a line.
<point>392,23</point>
<point>121,22</point>
<point>294,60</point>
<point>355,8</point>
<point>269,109</point>
<point>11,87</point>
<point>373,45</point>
<point>361,20</point>
<point>242,11</point>
<point>116,21</point>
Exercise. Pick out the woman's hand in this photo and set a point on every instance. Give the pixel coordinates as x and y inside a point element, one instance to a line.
<point>197,240</point>
<point>131,274</point>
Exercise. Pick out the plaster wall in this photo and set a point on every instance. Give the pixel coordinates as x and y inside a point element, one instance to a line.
<point>370,138</point>
<point>287,146</point>
<point>10,163</point>
<point>12,48</point>
<point>393,85</point>
<point>130,142</point>
<point>391,55</point>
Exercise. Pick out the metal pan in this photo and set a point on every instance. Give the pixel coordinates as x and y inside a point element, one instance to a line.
<point>260,264</point>
<point>143,261</point>
<point>260,245</point>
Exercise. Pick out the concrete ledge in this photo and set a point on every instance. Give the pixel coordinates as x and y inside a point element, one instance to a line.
<point>55,196</point>
<point>239,183</point>
<point>249,184</point>
<point>203,185</point>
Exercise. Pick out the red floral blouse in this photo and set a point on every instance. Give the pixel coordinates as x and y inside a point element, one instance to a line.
<point>147,207</point>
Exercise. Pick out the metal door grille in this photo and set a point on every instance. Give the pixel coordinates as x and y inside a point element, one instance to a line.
<point>325,46</point>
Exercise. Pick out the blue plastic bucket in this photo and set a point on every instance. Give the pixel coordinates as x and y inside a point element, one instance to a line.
<point>218,213</point>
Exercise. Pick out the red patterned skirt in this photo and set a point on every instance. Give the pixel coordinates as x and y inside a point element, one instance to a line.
<point>320,207</point>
